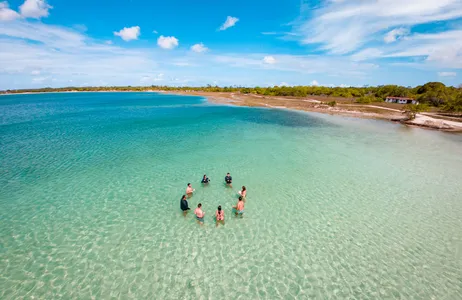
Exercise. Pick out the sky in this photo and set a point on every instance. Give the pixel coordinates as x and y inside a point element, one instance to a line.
<point>52,43</point>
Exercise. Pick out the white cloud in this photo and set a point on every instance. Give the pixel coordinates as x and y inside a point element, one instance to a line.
<point>366,54</point>
<point>343,27</point>
<point>155,32</point>
<point>447,74</point>
<point>395,34</point>
<point>35,9</point>
<point>230,22</point>
<point>167,42</point>
<point>183,64</point>
<point>63,54</point>
<point>7,14</point>
<point>284,84</point>
<point>81,27</point>
<point>40,79</point>
<point>269,60</point>
<point>52,36</point>
<point>152,78</point>
<point>199,48</point>
<point>108,42</point>
<point>128,33</point>
<point>307,64</point>
<point>314,83</point>
<point>442,49</point>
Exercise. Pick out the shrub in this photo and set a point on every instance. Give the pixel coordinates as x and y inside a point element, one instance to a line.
<point>366,99</point>
<point>454,105</point>
<point>411,110</point>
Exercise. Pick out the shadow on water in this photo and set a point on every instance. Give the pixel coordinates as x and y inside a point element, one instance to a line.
<point>282,117</point>
<point>207,115</point>
<point>211,116</point>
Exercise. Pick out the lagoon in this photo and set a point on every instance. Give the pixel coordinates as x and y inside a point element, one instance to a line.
<point>90,185</point>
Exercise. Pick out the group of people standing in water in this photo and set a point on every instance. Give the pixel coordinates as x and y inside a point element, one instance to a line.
<point>219,214</point>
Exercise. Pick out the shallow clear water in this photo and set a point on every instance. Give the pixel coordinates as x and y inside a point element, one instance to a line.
<point>90,185</point>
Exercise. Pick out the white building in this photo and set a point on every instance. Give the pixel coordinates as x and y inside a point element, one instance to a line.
<point>401,100</point>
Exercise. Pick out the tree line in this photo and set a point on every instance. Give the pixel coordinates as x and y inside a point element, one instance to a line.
<point>447,98</point>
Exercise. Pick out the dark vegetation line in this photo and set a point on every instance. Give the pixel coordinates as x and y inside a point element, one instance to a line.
<point>436,94</point>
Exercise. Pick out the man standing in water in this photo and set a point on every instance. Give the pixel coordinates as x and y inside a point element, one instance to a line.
<point>199,214</point>
<point>229,180</point>
<point>239,207</point>
<point>189,190</point>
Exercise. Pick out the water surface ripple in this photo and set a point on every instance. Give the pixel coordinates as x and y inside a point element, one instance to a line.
<point>337,208</point>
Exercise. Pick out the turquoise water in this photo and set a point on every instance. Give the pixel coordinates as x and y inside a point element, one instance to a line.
<point>337,208</point>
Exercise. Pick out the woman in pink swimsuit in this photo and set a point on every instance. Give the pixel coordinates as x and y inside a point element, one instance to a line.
<point>220,215</point>
<point>243,193</point>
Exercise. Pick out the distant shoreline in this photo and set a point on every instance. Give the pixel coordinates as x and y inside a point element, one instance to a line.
<point>318,104</point>
<point>60,92</point>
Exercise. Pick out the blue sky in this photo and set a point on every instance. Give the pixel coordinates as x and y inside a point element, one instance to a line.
<point>179,42</point>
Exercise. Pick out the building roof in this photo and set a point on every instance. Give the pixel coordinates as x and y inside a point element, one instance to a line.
<point>402,98</point>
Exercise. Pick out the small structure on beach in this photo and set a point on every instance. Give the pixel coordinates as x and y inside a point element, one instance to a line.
<point>401,100</point>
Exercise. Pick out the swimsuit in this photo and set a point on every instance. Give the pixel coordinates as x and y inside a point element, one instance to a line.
<point>201,219</point>
<point>220,216</point>
<point>240,207</point>
<point>240,212</point>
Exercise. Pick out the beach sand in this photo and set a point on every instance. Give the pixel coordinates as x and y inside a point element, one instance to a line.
<point>343,107</point>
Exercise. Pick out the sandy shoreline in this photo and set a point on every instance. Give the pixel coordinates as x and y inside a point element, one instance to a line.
<point>344,107</point>
<point>318,104</point>
<point>65,92</point>
<point>305,104</point>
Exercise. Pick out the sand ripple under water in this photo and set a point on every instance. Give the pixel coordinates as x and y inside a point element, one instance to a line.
<point>337,208</point>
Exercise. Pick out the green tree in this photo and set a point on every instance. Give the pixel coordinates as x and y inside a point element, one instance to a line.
<point>434,93</point>
<point>454,105</point>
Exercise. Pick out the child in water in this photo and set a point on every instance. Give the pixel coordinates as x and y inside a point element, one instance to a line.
<point>199,214</point>
<point>220,215</point>
<point>239,207</point>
